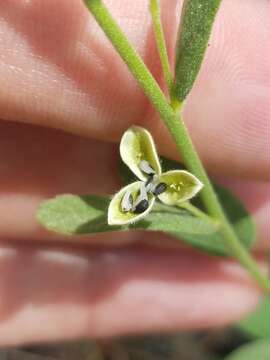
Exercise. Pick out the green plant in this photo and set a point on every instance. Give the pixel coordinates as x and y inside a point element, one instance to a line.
<point>218,223</point>
<point>256,350</point>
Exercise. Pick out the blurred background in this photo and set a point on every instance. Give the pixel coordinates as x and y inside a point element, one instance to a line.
<point>232,343</point>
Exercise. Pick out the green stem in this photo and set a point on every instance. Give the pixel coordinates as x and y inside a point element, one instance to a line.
<point>178,132</point>
<point>161,43</point>
<point>197,212</point>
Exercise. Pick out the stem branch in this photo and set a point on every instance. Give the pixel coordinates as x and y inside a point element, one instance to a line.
<point>161,43</point>
<point>178,132</point>
<point>197,212</point>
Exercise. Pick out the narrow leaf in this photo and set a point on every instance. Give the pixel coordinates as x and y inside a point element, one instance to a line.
<point>256,350</point>
<point>194,31</point>
<point>78,215</point>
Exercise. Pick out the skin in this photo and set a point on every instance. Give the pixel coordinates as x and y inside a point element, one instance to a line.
<point>58,72</point>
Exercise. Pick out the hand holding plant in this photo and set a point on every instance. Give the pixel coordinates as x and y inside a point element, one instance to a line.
<point>225,152</point>
<point>194,31</point>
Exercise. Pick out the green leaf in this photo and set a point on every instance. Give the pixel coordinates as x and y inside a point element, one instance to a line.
<point>194,31</point>
<point>78,215</point>
<point>258,323</point>
<point>258,350</point>
<point>240,218</point>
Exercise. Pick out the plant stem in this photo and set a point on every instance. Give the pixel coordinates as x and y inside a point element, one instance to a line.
<point>161,43</point>
<point>197,212</point>
<point>178,132</point>
<point>131,58</point>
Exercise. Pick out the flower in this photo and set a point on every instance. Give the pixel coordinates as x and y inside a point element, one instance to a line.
<point>133,202</point>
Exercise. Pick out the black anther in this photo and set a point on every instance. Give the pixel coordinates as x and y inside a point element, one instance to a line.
<point>141,207</point>
<point>159,189</point>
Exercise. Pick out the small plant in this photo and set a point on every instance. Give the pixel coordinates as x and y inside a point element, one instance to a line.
<point>154,200</point>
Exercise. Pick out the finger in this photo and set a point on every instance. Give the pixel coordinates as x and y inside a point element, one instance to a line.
<point>65,74</point>
<point>66,58</point>
<point>49,293</point>
<point>38,163</point>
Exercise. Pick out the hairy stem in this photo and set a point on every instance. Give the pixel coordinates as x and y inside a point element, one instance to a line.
<point>177,130</point>
<point>161,43</point>
<point>197,212</point>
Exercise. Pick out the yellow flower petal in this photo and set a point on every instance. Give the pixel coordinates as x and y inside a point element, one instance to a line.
<point>138,150</point>
<point>181,186</point>
<point>116,215</point>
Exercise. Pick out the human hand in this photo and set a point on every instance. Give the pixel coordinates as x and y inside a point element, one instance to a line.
<point>57,70</point>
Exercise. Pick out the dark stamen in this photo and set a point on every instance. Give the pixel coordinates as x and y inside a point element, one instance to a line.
<point>159,189</point>
<point>141,207</point>
<point>149,180</point>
